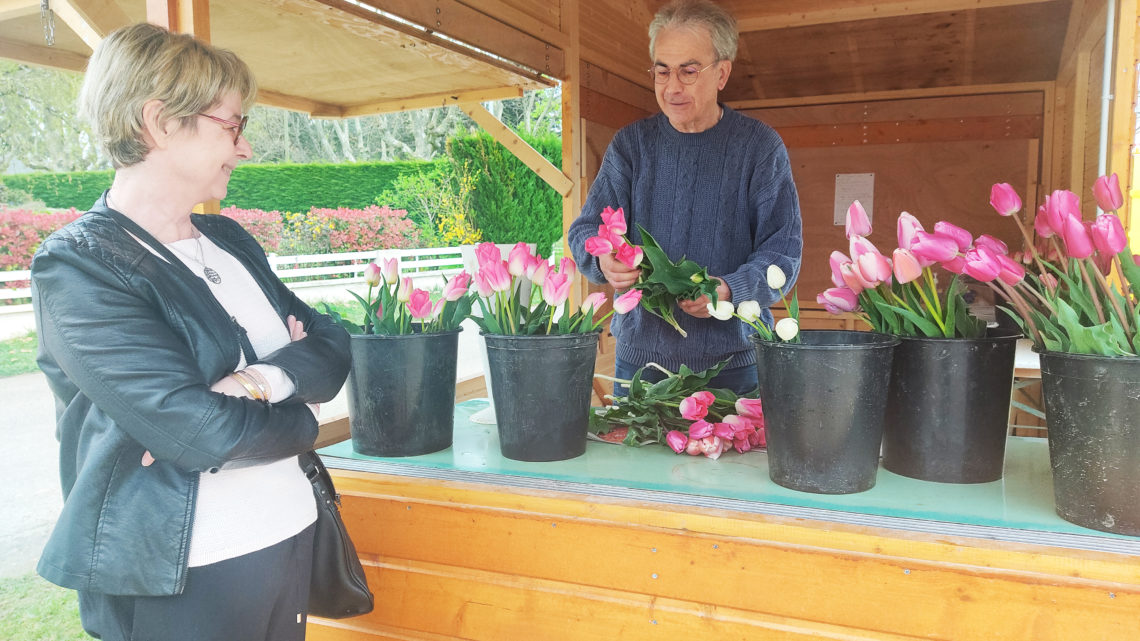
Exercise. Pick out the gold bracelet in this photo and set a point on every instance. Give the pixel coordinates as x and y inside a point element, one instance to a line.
<point>254,392</point>
<point>259,380</point>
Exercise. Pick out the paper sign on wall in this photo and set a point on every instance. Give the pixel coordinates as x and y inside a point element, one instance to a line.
<point>852,187</point>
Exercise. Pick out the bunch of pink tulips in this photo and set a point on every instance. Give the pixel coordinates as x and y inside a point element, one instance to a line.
<point>714,432</point>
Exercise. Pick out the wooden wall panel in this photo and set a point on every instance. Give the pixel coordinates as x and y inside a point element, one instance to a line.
<point>934,181</point>
<point>452,560</point>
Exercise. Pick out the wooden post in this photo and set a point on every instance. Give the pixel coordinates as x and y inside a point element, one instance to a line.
<point>185,16</point>
<point>1123,114</point>
<point>572,142</point>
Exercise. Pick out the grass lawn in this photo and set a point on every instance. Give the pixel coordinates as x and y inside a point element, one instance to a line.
<point>18,355</point>
<point>32,609</point>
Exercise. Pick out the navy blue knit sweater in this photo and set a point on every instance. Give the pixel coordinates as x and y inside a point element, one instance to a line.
<point>724,198</point>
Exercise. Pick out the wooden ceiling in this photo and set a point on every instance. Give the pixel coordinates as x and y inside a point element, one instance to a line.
<point>337,58</point>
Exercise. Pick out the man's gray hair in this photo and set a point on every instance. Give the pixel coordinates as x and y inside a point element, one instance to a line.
<point>698,13</point>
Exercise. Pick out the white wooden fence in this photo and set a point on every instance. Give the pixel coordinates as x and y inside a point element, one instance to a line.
<point>15,291</point>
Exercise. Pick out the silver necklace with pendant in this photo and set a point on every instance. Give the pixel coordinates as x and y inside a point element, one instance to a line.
<point>210,273</point>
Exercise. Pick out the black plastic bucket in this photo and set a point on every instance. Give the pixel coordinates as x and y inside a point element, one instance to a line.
<point>1092,410</point>
<point>401,393</point>
<point>541,387</point>
<point>948,407</point>
<point>824,401</point>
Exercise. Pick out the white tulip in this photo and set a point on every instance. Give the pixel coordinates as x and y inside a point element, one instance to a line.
<point>787,328</point>
<point>748,311</point>
<point>722,310</point>
<point>776,277</point>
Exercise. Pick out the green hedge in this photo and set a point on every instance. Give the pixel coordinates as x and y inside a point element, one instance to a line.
<point>510,202</point>
<point>268,187</point>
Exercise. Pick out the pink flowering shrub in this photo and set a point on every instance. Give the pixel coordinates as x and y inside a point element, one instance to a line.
<point>22,231</point>
<point>373,227</point>
<point>265,226</point>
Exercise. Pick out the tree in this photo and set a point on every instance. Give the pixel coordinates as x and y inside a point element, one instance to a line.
<point>39,128</point>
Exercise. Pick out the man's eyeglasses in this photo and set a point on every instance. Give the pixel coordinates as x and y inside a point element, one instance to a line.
<point>687,74</point>
<point>238,126</point>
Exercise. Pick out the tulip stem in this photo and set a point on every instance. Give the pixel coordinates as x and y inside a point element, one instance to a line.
<point>926,301</point>
<point>1029,242</point>
<point>1112,299</point>
<point>1010,294</point>
<point>1127,297</point>
<point>1081,267</point>
<point>933,291</point>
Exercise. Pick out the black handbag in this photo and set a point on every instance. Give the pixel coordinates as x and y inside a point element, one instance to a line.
<point>338,588</point>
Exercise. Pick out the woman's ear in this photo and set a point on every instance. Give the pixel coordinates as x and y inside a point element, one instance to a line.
<point>157,130</point>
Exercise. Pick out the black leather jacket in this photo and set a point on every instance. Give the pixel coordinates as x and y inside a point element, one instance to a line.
<point>130,345</point>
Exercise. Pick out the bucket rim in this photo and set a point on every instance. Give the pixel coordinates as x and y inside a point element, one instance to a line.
<point>877,341</point>
<point>414,335</point>
<point>993,335</point>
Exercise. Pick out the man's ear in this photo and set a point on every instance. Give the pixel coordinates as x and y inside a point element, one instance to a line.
<point>724,71</point>
<point>157,129</point>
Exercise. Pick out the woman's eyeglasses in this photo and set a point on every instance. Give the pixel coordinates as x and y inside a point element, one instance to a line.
<point>238,126</point>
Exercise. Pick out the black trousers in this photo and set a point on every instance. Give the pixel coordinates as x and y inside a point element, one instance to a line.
<point>261,595</point>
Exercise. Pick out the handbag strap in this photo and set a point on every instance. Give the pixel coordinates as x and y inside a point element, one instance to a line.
<point>318,475</point>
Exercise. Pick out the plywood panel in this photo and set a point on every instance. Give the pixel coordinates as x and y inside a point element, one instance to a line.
<point>941,107</point>
<point>934,181</point>
<point>452,560</point>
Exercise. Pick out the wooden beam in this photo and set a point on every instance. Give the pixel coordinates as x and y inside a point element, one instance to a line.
<point>780,14</point>
<point>12,9</point>
<point>550,174</point>
<point>412,103</point>
<point>370,13</point>
<point>573,137</point>
<point>280,100</point>
<point>42,56</point>
<point>908,131</point>
<point>966,90</point>
<point>71,17</point>
<point>507,13</point>
<point>1123,109</point>
<point>91,20</point>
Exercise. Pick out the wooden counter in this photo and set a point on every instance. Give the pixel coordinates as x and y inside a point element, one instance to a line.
<point>643,544</point>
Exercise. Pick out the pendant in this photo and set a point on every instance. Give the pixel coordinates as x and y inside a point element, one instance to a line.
<point>212,275</point>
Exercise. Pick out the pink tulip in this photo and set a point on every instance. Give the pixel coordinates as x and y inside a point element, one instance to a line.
<point>760,437</point>
<point>608,234</point>
<point>372,275</point>
<point>598,246</point>
<point>487,253</point>
<point>907,227</point>
<point>419,303</point>
<point>457,286</point>
<point>1004,199</point>
<point>567,266</point>
<point>712,447</point>
<point>859,246</point>
<point>1011,272</point>
<point>704,397</point>
<point>700,429</point>
<point>630,255</point>
<point>1050,281</point>
<point>1108,234</point>
<point>1103,262</point>
<point>593,302</point>
<point>982,264</point>
<point>996,245</point>
<point>749,407</point>
<point>724,431</point>
<point>956,265</point>
<point>518,259</point>
<point>404,293</point>
<point>483,285</point>
<point>740,424</point>
<point>496,275</point>
<point>390,270</point>
<point>1041,223</point>
<point>1106,190</point>
<point>741,443</point>
<point>676,441</point>
<point>857,222</point>
<point>837,260</point>
<point>873,268</point>
<point>906,266</point>
<point>838,300</point>
<point>960,236</point>
<point>1059,205</point>
<point>1078,243</point>
<point>538,274</point>
<point>556,288</point>
<point>851,278</point>
<point>935,247</point>
<point>692,410</point>
<point>437,306</point>
<point>626,302</point>
<point>615,220</point>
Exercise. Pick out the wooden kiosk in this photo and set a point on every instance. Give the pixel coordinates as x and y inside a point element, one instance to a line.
<point>937,98</point>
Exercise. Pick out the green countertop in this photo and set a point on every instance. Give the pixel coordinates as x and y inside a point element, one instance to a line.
<point>1017,508</point>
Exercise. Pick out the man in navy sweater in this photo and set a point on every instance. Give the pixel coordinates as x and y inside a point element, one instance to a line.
<point>710,184</point>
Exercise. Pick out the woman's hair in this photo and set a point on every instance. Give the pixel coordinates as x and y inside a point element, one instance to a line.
<point>145,62</point>
<point>698,13</point>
